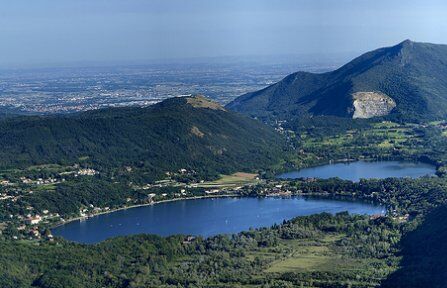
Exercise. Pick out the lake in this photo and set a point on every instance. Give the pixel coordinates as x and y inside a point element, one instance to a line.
<point>355,171</point>
<point>205,217</point>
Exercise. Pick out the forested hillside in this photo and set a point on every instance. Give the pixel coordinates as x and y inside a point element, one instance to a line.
<point>191,133</point>
<point>424,254</point>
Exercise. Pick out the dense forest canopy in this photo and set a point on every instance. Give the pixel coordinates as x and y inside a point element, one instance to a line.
<point>172,135</point>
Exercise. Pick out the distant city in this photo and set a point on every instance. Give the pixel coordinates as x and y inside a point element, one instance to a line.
<point>66,90</point>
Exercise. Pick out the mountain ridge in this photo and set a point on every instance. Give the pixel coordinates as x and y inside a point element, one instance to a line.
<point>189,132</point>
<point>410,73</point>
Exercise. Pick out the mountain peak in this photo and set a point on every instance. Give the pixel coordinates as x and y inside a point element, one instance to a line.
<point>406,42</point>
<point>200,101</point>
<point>405,45</point>
<point>408,75</point>
<point>194,101</point>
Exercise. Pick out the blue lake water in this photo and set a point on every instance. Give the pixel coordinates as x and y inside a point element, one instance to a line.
<point>355,171</point>
<point>205,217</point>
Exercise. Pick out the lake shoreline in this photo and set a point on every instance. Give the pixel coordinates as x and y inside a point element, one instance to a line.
<point>356,169</point>
<point>335,162</point>
<point>315,194</point>
<point>227,214</point>
<point>142,205</point>
<point>360,159</point>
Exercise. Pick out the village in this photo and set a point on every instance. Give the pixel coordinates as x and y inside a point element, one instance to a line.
<point>26,222</point>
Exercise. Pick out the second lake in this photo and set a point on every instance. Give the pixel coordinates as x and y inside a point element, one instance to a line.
<point>355,171</point>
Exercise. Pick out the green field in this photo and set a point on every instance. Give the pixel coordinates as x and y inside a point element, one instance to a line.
<point>308,256</point>
<point>231,181</point>
<point>381,140</point>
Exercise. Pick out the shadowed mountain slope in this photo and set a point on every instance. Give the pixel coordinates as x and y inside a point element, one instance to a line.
<point>407,81</point>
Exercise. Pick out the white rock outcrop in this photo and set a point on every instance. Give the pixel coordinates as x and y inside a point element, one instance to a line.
<point>371,104</point>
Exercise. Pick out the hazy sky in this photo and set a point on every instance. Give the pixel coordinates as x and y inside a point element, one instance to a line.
<point>58,31</point>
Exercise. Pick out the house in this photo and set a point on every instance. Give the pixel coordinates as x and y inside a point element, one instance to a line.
<point>35,233</point>
<point>33,220</point>
<point>188,239</point>
<point>87,172</point>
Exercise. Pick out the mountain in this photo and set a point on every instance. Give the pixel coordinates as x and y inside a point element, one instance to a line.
<point>407,81</point>
<point>189,132</point>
